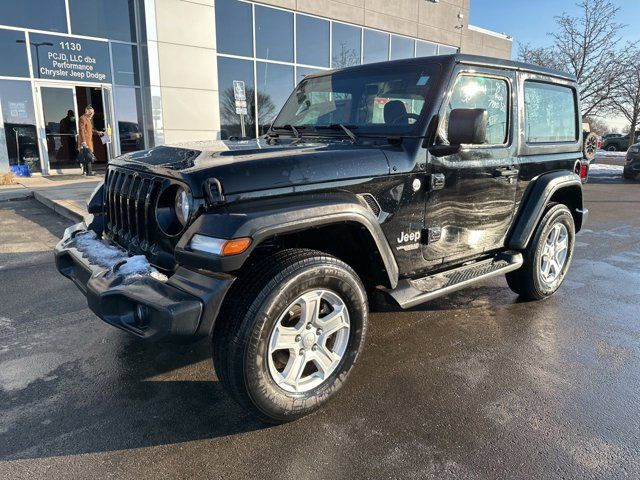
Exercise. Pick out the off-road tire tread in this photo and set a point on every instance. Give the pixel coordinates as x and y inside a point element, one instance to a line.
<point>243,301</point>
<point>522,281</point>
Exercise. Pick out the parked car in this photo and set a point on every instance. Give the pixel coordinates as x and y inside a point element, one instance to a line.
<point>417,182</point>
<point>618,144</point>
<point>606,136</point>
<point>632,166</point>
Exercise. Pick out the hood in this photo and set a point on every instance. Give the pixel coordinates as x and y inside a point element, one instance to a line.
<point>254,165</point>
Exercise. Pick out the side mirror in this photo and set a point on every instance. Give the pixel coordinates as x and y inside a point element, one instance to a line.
<point>468,126</point>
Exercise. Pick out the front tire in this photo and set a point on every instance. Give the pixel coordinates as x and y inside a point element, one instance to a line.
<point>290,333</point>
<point>548,256</point>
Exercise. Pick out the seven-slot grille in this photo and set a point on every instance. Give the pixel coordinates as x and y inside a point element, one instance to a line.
<point>130,202</point>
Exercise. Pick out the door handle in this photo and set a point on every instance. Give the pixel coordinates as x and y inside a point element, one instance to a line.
<point>505,172</point>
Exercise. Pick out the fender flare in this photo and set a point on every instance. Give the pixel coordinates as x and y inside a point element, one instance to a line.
<point>535,200</point>
<point>274,217</point>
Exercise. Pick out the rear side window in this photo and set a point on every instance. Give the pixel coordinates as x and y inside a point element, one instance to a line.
<point>550,113</point>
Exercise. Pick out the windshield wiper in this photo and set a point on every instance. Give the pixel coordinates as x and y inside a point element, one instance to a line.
<point>344,128</point>
<point>295,130</point>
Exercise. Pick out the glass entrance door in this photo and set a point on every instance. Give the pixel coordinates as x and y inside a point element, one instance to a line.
<point>60,122</point>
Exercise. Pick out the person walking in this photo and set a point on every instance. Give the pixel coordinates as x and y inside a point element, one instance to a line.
<point>85,140</point>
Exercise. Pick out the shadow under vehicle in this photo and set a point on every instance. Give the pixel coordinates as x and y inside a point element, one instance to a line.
<point>408,180</point>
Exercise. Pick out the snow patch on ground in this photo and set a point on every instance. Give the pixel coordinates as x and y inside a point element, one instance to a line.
<point>605,154</point>
<point>600,169</point>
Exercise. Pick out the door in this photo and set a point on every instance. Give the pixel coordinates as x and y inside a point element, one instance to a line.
<point>59,121</point>
<point>472,201</point>
<point>107,106</point>
<point>94,96</point>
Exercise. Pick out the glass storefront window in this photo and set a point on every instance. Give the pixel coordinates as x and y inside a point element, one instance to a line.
<point>128,103</point>
<point>112,19</point>
<point>302,72</point>
<point>14,54</point>
<point>234,27</point>
<point>18,139</point>
<point>125,64</point>
<point>426,49</point>
<point>376,46</point>
<point>230,69</point>
<point>445,50</point>
<point>274,34</point>
<point>401,47</point>
<point>312,41</point>
<point>275,83</point>
<point>36,14</point>
<point>345,49</point>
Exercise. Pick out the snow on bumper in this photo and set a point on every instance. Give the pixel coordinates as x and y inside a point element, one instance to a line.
<point>129,293</point>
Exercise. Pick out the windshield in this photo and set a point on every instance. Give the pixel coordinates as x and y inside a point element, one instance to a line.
<point>380,100</point>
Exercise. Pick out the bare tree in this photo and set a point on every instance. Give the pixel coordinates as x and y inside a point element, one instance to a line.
<point>626,98</point>
<point>597,125</point>
<point>230,120</point>
<point>585,46</point>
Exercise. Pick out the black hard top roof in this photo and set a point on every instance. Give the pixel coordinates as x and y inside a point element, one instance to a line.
<point>465,59</point>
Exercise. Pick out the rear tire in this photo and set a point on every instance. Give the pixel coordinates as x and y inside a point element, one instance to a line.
<point>265,353</point>
<point>548,256</point>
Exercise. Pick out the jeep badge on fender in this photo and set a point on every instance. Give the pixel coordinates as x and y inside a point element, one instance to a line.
<point>270,248</point>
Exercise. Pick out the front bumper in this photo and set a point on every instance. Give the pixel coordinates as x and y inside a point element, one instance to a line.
<point>148,305</point>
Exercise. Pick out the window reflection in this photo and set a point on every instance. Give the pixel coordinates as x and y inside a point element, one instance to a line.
<point>14,54</point>
<point>129,117</point>
<point>312,41</point>
<point>37,14</point>
<point>445,50</point>
<point>401,47</point>
<point>302,72</point>
<point>345,51</point>
<point>125,64</point>
<point>376,47</point>
<point>234,27</point>
<point>112,19</point>
<point>274,34</point>
<point>426,49</point>
<point>230,69</point>
<point>18,140</point>
<point>275,83</point>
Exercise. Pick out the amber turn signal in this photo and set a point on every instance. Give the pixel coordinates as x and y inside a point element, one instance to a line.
<point>235,246</point>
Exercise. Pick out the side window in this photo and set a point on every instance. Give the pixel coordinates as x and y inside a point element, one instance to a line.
<point>488,93</point>
<point>550,113</point>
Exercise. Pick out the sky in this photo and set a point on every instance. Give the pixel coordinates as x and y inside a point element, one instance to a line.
<point>529,21</point>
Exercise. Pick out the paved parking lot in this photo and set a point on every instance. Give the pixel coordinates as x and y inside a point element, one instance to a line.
<point>474,385</point>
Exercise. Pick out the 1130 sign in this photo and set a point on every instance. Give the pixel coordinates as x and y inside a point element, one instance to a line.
<point>78,60</point>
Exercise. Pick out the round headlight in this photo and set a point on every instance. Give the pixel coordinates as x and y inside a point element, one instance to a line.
<point>182,206</point>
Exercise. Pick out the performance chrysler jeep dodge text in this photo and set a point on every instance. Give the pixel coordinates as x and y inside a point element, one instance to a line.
<point>411,178</point>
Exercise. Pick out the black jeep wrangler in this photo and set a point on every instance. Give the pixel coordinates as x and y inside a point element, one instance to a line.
<point>407,179</point>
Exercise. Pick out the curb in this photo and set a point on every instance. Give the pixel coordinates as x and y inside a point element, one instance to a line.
<point>59,207</point>
<point>17,194</point>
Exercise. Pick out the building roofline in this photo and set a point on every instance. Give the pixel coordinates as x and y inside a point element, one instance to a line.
<point>503,36</point>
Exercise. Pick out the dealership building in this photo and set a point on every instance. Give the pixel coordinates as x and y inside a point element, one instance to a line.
<point>163,71</point>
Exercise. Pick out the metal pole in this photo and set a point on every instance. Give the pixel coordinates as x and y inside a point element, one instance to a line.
<point>15,130</point>
<point>242,128</point>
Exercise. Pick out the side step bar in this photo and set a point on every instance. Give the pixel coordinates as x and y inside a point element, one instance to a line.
<point>411,292</point>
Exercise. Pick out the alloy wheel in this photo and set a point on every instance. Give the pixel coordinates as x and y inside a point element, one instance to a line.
<point>554,253</point>
<point>308,341</point>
